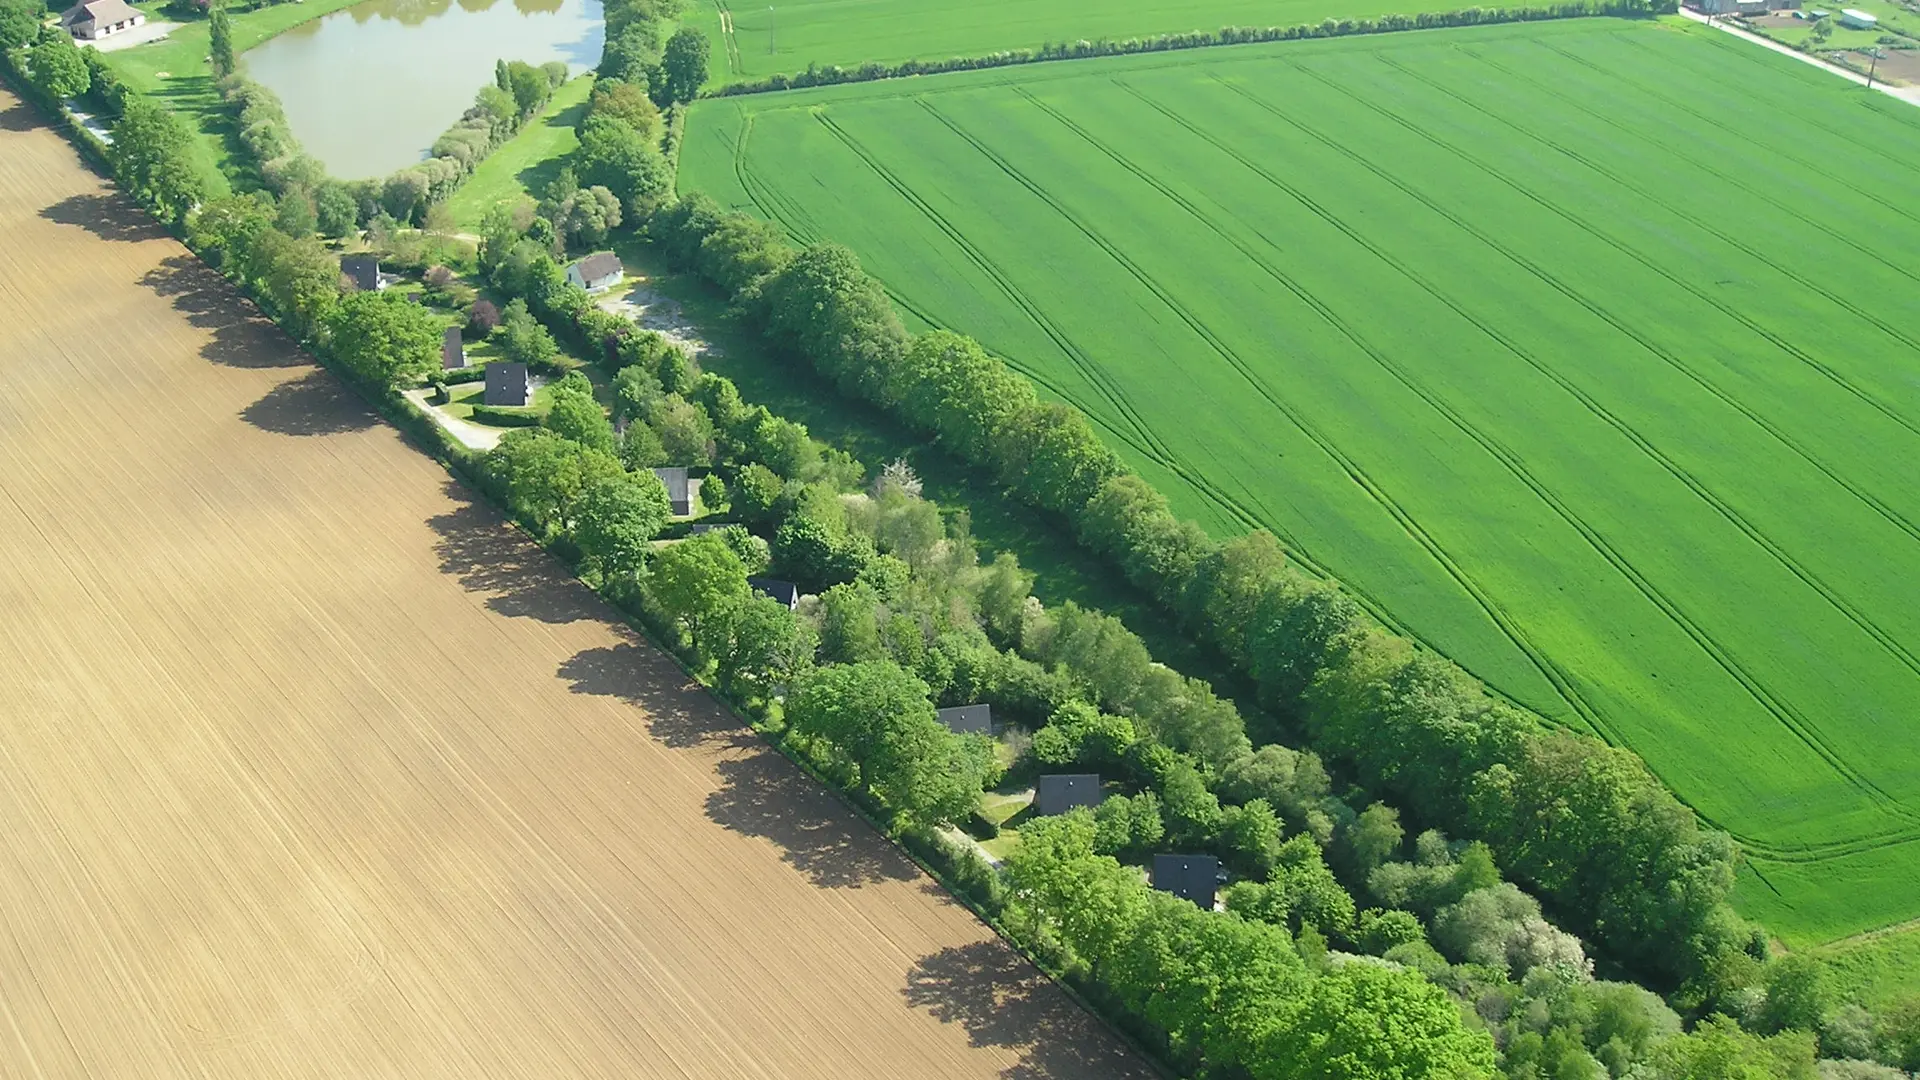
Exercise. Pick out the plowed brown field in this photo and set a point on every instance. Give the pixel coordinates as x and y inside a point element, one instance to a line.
<point>309,767</point>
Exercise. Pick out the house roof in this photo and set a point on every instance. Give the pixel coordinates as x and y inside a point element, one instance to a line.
<point>99,11</point>
<point>784,591</point>
<point>363,269</point>
<point>675,479</point>
<point>1190,877</point>
<point>595,267</point>
<point>1060,792</point>
<point>506,380</point>
<point>963,719</point>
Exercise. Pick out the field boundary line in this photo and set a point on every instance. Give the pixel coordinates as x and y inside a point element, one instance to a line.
<point>1785,714</point>
<point>1350,466</point>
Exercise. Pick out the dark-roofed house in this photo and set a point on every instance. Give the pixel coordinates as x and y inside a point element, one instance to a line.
<point>100,18</point>
<point>508,384</point>
<point>681,488</point>
<point>1189,877</point>
<point>968,719</point>
<point>1061,792</point>
<point>596,272</point>
<point>784,591</point>
<point>363,271</point>
<point>453,351</point>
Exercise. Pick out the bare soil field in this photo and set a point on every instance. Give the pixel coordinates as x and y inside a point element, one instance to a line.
<point>310,767</point>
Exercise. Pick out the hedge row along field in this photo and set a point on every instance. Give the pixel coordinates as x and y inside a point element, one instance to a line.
<point>789,37</point>
<point>1545,340</point>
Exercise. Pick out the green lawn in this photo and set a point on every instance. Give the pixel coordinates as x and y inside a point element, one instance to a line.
<point>788,37</point>
<point>528,161</point>
<point>1584,352</point>
<point>175,72</point>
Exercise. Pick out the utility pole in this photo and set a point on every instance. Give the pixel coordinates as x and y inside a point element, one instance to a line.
<point>1873,67</point>
<point>772,41</point>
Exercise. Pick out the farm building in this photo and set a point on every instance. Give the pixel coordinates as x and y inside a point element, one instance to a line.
<point>1061,792</point>
<point>508,384</point>
<point>681,488</point>
<point>596,272</point>
<point>453,351</point>
<point>1189,877</point>
<point>363,271</point>
<point>968,719</point>
<point>101,18</point>
<point>784,591</point>
<point>1859,20</point>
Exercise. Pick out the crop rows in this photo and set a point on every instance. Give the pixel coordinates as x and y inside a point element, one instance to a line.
<point>1542,339</point>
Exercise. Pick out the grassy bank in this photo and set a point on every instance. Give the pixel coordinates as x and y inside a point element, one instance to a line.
<point>528,161</point>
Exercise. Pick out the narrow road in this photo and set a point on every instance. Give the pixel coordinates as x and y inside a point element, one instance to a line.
<point>1908,94</point>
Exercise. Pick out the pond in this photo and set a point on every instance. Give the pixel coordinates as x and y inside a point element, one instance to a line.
<point>367,90</point>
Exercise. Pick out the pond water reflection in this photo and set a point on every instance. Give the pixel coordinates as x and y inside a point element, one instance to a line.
<point>368,89</point>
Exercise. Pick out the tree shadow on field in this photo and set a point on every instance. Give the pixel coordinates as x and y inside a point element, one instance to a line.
<point>242,337</point>
<point>313,404</point>
<point>765,795</point>
<point>1004,1001</point>
<point>489,556</point>
<point>680,713</point>
<point>20,117</point>
<point>107,215</point>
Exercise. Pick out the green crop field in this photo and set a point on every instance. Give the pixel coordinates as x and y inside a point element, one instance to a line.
<point>787,37</point>
<point>1586,352</point>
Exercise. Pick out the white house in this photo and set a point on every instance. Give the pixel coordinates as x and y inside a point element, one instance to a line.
<point>1859,20</point>
<point>596,272</point>
<point>100,18</point>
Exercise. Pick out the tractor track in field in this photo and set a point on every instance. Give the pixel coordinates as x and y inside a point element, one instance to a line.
<point>1492,446</point>
<point>1658,198</point>
<point>1408,523</point>
<point>1556,676</point>
<point>1096,377</point>
<point>1647,87</point>
<point>1859,618</point>
<point>1731,179</point>
<point>731,42</point>
<point>1754,57</point>
<point>1785,714</point>
<point>1756,329</point>
<point>1141,439</point>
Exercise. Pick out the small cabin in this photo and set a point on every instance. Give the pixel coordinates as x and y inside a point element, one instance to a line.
<point>784,591</point>
<point>596,272</point>
<point>968,719</point>
<point>1060,792</point>
<point>681,488</point>
<point>508,385</point>
<point>363,271</point>
<point>1189,877</point>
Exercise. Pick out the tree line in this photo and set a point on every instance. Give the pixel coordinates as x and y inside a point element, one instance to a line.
<point>831,74</point>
